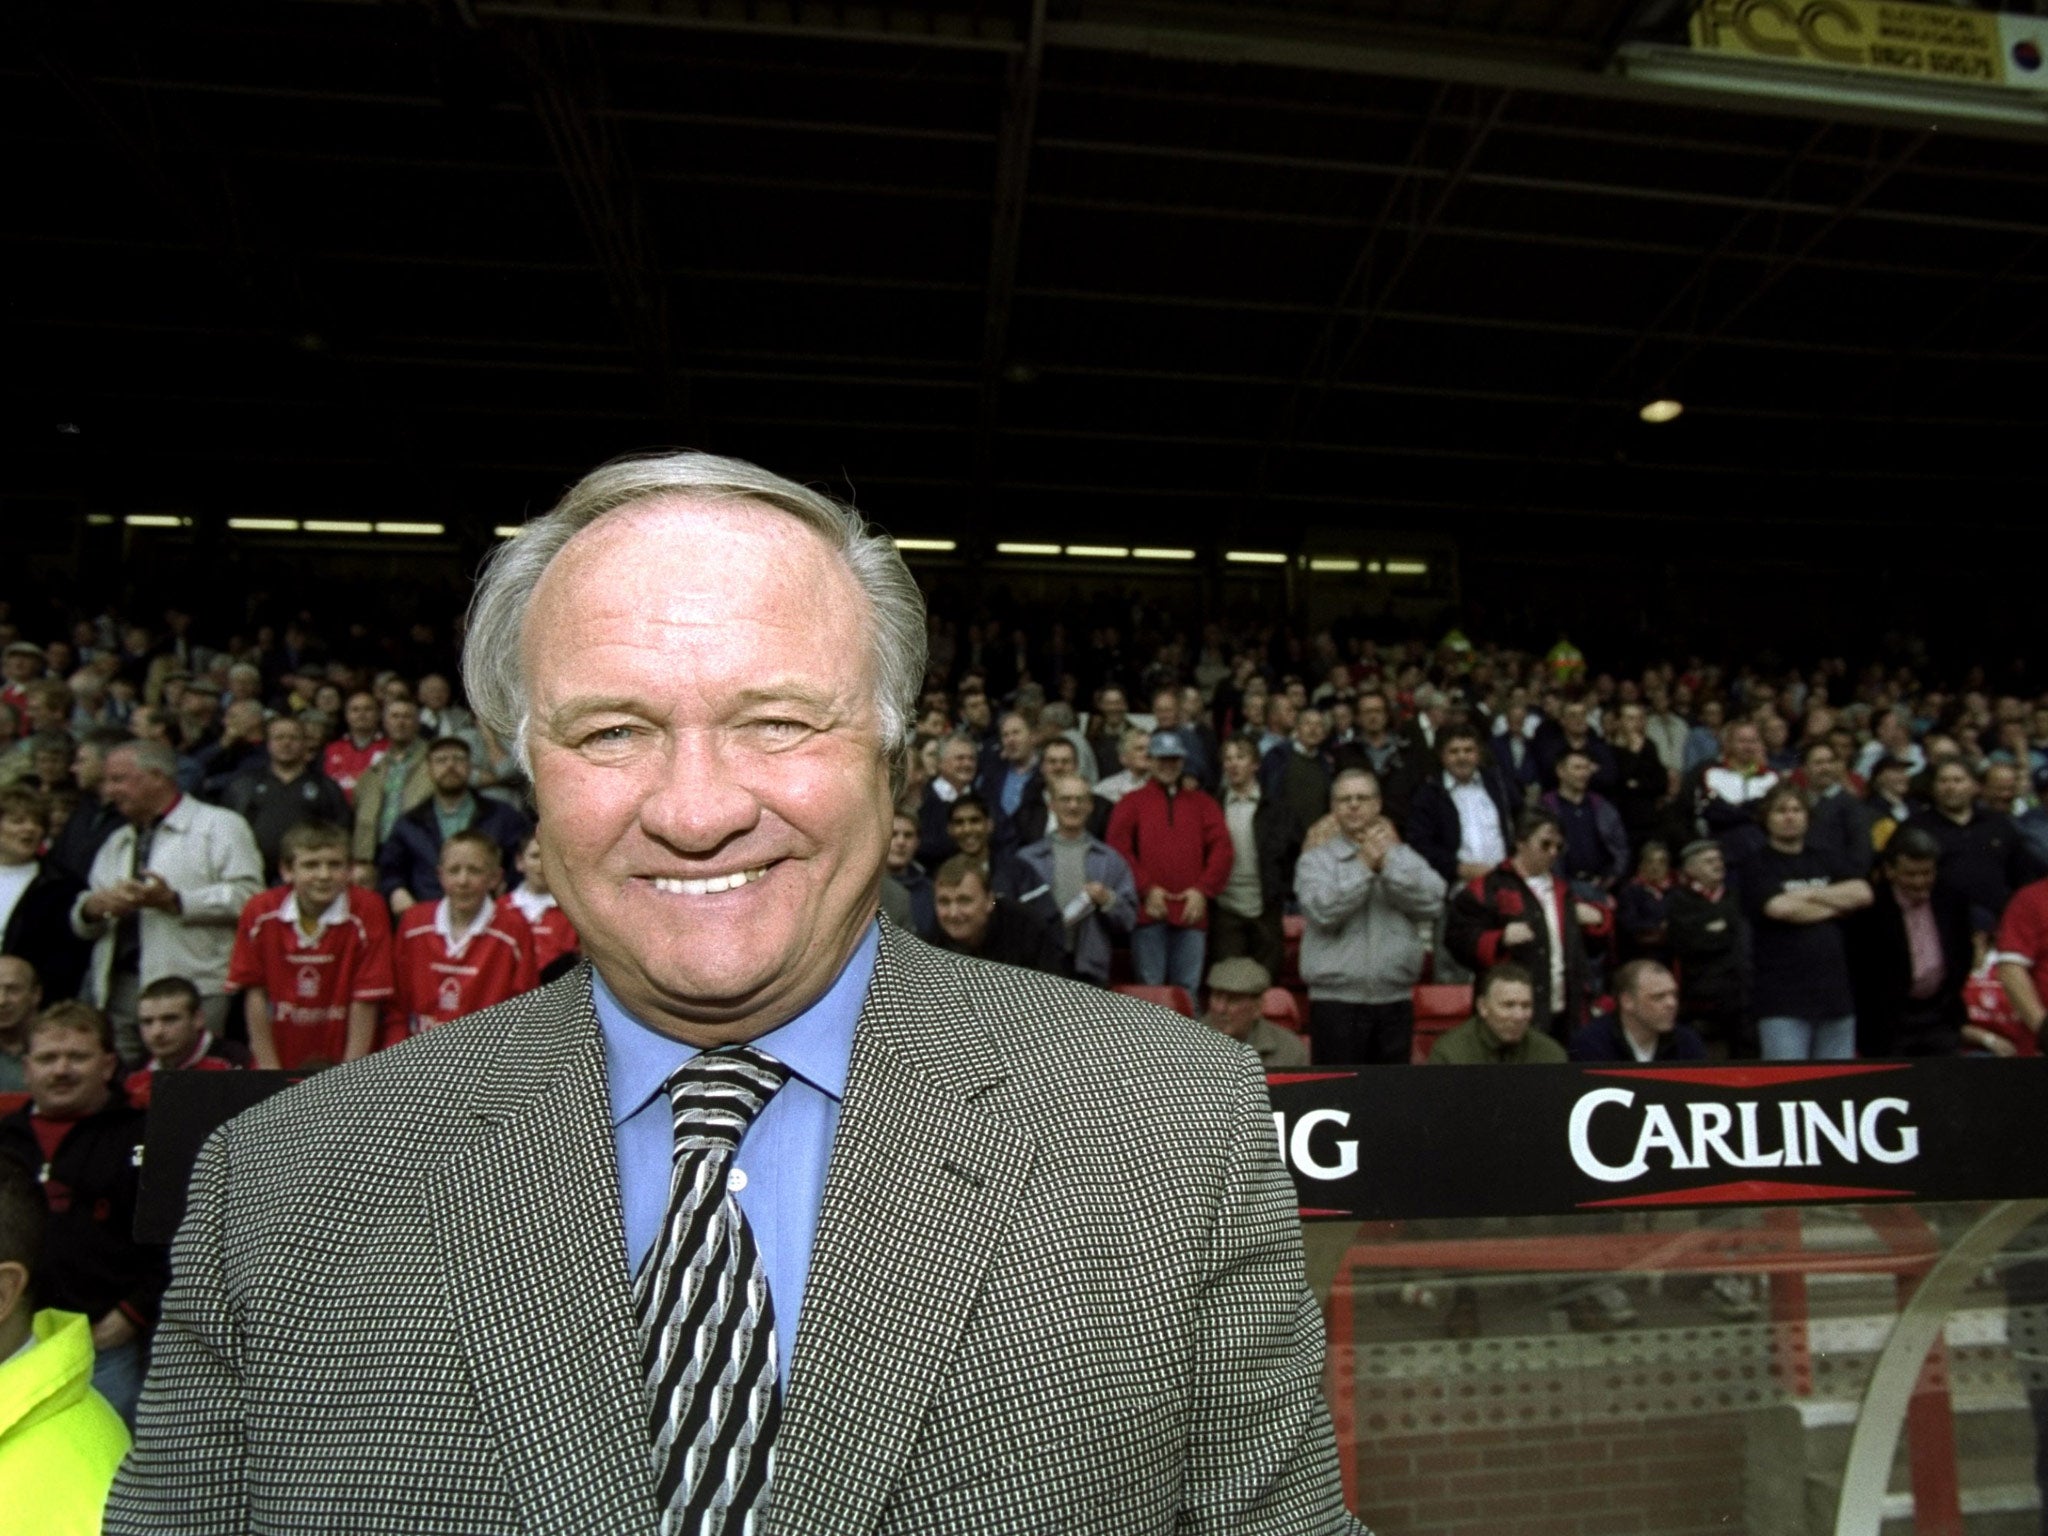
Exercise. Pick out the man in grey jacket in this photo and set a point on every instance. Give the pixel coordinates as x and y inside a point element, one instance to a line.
<point>1077,878</point>
<point>1368,898</point>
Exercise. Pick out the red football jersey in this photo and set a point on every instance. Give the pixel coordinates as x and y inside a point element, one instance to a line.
<point>442,975</point>
<point>553,934</point>
<point>139,1082</point>
<point>311,982</point>
<point>345,762</point>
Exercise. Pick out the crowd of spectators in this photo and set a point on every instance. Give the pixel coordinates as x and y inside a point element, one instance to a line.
<point>218,851</point>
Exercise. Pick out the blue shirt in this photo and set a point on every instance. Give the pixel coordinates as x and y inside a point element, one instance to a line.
<point>786,1150</point>
<point>1012,794</point>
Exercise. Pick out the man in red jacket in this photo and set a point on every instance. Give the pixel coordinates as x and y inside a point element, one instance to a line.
<point>1178,846</point>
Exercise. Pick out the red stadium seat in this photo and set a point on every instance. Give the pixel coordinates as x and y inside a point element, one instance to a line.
<point>1165,997</point>
<point>1292,926</point>
<point>1439,1008</point>
<point>1281,1006</point>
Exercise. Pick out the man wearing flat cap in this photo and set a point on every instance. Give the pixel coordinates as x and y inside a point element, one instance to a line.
<point>1237,1000</point>
<point>770,1219</point>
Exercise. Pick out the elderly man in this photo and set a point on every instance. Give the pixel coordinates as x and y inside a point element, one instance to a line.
<point>959,761</point>
<point>891,1161</point>
<point>1237,998</point>
<point>1085,881</point>
<point>1175,840</point>
<point>165,892</point>
<point>1367,898</point>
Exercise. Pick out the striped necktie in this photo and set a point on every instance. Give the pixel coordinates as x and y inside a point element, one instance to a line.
<point>707,1324</point>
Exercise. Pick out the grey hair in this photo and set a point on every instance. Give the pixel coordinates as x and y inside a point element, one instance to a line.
<point>491,675</point>
<point>150,756</point>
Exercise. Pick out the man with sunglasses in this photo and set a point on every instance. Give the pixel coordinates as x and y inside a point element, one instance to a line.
<point>1524,911</point>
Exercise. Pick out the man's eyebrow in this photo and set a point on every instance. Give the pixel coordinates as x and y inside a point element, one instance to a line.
<point>780,691</point>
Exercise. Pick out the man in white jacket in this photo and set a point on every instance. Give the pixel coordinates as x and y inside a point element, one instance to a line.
<point>1367,897</point>
<point>165,891</point>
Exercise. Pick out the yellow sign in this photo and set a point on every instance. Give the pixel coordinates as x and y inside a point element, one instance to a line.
<point>1927,41</point>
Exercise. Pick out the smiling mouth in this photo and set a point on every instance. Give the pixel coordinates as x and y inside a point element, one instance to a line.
<point>712,886</point>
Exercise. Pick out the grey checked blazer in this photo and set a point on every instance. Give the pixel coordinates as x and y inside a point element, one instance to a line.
<point>1057,1286</point>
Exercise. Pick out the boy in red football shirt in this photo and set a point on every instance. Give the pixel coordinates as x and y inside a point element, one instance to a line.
<point>463,952</point>
<point>554,937</point>
<point>314,956</point>
<point>175,1033</point>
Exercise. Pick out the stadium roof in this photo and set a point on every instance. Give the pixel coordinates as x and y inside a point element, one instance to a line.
<point>1075,269</point>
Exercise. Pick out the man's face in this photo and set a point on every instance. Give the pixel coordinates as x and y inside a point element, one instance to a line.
<point>1787,820</point>
<point>1240,765</point>
<point>1823,768</point>
<point>1954,790</point>
<point>1312,729</point>
<point>1166,708</point>
<point>169,1028</point>
<point>703,698</point>
<point>318,875</point>
<point>1654,1004</point>
<point>1059,760</point>
<point>902,843</point>
<point>1135,755</point>
<point>433,691</point>
<point>1166,770</point>
<point>963,910</point>
<point>1745,745</point>
<point>2001,785</point>
<point>1633,719</point>
<point>448,767</point>
<point>468,873</point>
<point>1912,879</point>
<point>1114,706</point>
<point>135,793</point>
<point>21,837</point>
<point>1372,715</point>
<point>402,723</point>
<point>974,709</point>
<point>48,712</point>
<point>244,720</point>
<point>68,1072</point>
<point>956,763</point>
<point>969,826</point>
<point>287,742</point>
<point>20,993</point>
<point>1891,782</point>
<point>1233,1013</point>
<point>1573,718</point>
<point>1507,1007</point>
<point>1072,803</point>
<point>87,764</point>
<point>360,714</point>
<point>21,667</point>
<point>1016,741</point>
<point>1574,773</point>
<point>1539,850</point>
<point>1280,714</point>
<point>1355,802</point>
<point>1460,757</point>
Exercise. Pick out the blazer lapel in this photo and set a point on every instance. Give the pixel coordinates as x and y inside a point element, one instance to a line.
<point>922,1183</point>
<point>533,1252</point>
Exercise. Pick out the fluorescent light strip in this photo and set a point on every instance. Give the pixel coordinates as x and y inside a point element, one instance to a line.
<point>1098,552</point>
<point>314,525</point>
<point>509,530</point>
<point>1027,549</point>
<point>429,529</point>
<point>99,519</point>
<point>1407,568</point>
<point>1331,563</point>
<point>1253,557</point>
<point>1164,554</point>
<point>264,524</point>
<point>930,546</point>
<point>155,520</point>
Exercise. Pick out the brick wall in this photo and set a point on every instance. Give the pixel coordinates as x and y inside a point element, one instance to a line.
<point>1671,1477</point>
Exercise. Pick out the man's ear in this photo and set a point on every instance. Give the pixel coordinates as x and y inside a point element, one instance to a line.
<point>13,1286</point>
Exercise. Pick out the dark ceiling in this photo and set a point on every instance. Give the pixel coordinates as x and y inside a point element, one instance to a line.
<point>1237,271</point>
